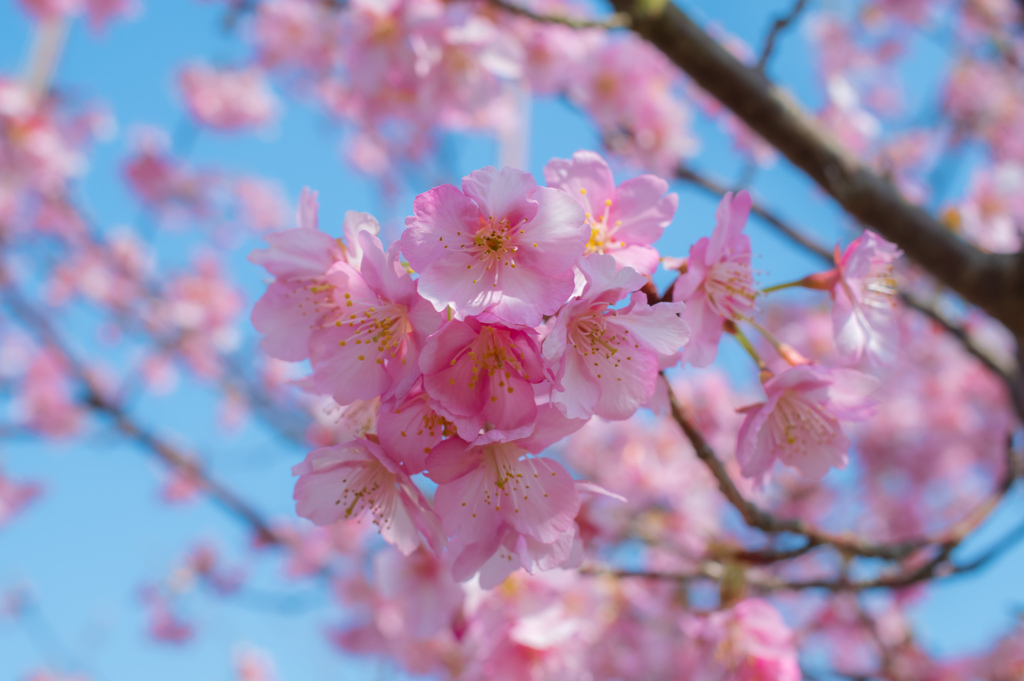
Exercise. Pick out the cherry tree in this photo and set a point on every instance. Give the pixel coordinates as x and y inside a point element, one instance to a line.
<point>542,425</point>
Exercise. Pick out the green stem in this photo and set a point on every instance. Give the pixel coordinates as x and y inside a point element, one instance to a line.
<point>779,287</point>
<point>747,345</point>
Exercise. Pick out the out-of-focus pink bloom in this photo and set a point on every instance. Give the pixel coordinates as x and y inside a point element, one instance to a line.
<point>624,221</point>
<point>422,584</point>
<point>863,315</point>
<point>311,549</point>
<point>372,349</point>
<point>634,94</point>
<point>855,127</point>
<point>51,9</point>
<point>46,675</point>
<point>483,373</point>
<point>751,642</point>
<point>201,307</point>
<point>799,422</point>
<point>15,496</point>
<point>358,479</point>
<point>461,60</point>
<point>502,246</point>
<point>718,284</point>
<point>46,397</point>
<point>910,11</point>
<point>253,664</point>
<point>181,486</point>
<point>992,213</point>
<point>607,357</point>
<point>295,33</point>
<point>161,181</point>
<point>553,54</point>
<point>102,12</point>
<point>165,625</point>
<point>205,562</point>
<point>261,204</point>
<point>227,99</point>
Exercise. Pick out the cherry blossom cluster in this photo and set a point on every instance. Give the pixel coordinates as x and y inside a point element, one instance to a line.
<point>525,319</point>
<point>400,69</point>
<point>516,316</point>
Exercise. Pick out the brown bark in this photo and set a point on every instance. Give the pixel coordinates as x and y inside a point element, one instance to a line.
<point>993,282</point>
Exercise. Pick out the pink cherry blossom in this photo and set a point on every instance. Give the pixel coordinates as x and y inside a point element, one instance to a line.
<point>799,422</point>
<point>624,221</point>
<point>15,496</point>
<point>299,300</point>
<point>718,284</point>
<point>295,33</point>
<point>411,427</point>
<point>863,314</point>
<point>495,497</point>
<point>261,204</point>
<point>501,246</point>
<point>165,624</point>
<point>357,479</point>
<point>475,370</point>
<point>48,403</point>
<point>372,347</point>
<point>752,642</point>
<point>102,12</point>
<point>253,664</point>
<point>992,213</point>
<point>608,357</point>
<point>422,587</point>
<point>227,99</point>
<point>161,181</point>
<point>51,9</point>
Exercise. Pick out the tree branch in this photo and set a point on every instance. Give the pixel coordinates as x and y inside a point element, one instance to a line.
<point>938,566</point>
<point>762,520</point>
<point>1008,372</point>
<point>780,25</point>
<point>95,398</point>
<point>993,282</point>
<point>617,20</point>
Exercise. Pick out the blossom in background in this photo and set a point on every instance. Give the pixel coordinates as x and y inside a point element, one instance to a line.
<point>749,642</point>
<point>227,99</point>
<point>718,284</point>
<point>798,424</point>
<point>15,496</point>
<point>865,295</point>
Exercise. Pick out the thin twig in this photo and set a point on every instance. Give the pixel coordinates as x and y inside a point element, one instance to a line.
<point>756,517</point>
<point>95,398</point>
<point>781,24</point>
<point>716,188</point>
<point>1008,372</point>
<point>617,20</point>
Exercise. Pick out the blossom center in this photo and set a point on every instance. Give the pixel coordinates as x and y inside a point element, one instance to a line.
<point>385,327</point>
<point>369,488</point>
<point>730,287</point>
<point>801,428</point>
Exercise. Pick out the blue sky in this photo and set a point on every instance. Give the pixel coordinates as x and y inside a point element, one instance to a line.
<point>100,532</point>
